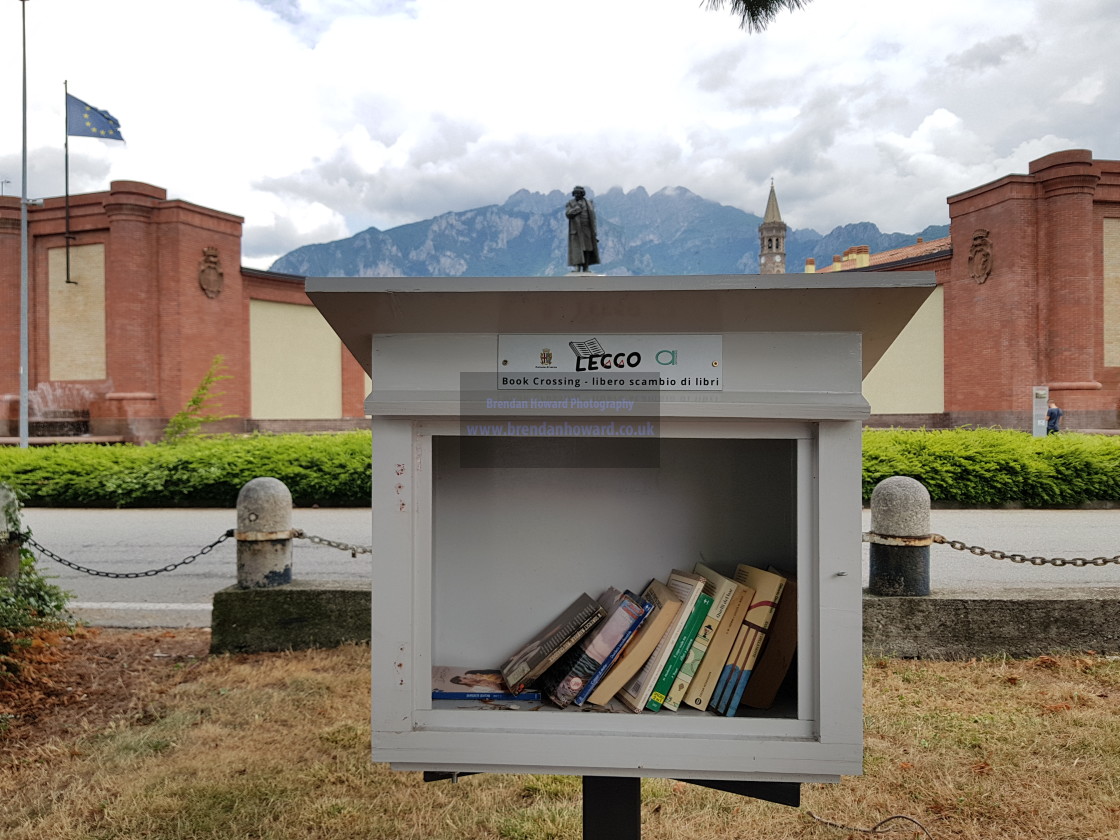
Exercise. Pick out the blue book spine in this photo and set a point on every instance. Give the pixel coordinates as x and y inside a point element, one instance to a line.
<point>524,696</point>
<point>729,689</point>
<point>721,684</point>
<point>737,695</point>
<point>645,608</point>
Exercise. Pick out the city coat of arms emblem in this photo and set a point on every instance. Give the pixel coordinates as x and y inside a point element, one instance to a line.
<point>210,276</point>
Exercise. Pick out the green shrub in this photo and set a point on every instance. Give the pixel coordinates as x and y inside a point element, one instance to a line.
<point>33,601</point>
<point>196,471</point>
<point>991,467</point>
<point>30,601</point>
<point>195,414</point>
<point>980,467</point>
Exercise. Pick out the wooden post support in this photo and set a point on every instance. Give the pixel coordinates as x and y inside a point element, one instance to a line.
<point>612,808</point>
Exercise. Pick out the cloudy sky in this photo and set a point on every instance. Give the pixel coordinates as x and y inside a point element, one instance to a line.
<point>316,119</point>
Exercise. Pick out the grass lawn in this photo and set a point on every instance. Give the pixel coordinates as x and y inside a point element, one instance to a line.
<point>140,734</point>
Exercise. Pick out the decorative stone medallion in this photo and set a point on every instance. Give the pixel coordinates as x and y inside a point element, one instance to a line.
<point>980,256</point>
<point>210,276</point>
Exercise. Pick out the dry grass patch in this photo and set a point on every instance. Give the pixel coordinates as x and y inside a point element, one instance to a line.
<point>275,747</point>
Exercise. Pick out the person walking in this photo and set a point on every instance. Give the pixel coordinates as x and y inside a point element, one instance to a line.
<point>1053,418</point>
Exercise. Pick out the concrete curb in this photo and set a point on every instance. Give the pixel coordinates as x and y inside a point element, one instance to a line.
<point>949,625</point>
<point>945,625</point>
<point>296,616</point>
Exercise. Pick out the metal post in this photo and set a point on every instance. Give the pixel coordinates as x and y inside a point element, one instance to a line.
<point>264,534</point>
<point>23,288</point>
<point>9,530</point>
<point>612,808</point>
<point>900,512</point>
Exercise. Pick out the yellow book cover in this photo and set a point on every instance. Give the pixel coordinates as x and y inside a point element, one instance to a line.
<point>704,681</point>
<point>665,607</point>
<point>688,587</point>
<point>777,655</point>
<point>720,589</point>
<point>768,587</point>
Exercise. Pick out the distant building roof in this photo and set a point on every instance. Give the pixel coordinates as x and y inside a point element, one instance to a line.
<point>859,256</point>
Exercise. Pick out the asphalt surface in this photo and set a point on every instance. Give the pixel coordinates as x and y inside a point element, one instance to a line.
<point>133,541</point>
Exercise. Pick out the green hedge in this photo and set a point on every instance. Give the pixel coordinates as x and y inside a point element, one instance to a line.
<point>325,470</point>
<point>991,467</point>
<point>981,467</point>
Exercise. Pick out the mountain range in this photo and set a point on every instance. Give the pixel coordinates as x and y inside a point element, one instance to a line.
<point>671,232</point>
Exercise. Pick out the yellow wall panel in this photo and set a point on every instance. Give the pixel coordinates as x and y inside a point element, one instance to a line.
<point>910,377</point>
<point>77,313</point>
<point>1111,250</point>
<point>296,363</point>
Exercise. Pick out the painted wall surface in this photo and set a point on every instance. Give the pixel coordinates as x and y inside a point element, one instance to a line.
<point>77,313</point>
<point>910,377</point>
<point>295,358</point>
<point>1111,252</point>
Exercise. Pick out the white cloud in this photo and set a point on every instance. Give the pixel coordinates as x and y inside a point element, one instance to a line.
<point>319,118</point>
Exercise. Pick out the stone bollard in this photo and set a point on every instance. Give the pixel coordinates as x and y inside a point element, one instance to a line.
<point>899,515</point>
<point>264,534</point>
<point>9,530</point>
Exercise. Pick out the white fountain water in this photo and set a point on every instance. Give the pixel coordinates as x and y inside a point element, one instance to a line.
<point>49,399</point>
<point>59,409</point>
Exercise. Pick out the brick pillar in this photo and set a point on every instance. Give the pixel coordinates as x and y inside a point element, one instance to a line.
<point>9,297</point>
<point>1070,292</point>
<point>131,288</point>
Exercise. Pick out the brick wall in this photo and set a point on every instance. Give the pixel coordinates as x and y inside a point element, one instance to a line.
<point>1038,317</point>
<point>162,328</point>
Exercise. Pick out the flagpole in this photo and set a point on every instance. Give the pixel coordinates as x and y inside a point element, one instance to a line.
<point>23,293</point>
<point>66,146</point>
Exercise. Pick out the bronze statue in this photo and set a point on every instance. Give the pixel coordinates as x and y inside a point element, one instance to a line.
<point>583,235</point>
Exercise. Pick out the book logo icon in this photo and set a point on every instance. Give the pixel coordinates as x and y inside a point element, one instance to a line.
<point>587,349</point>
<point>590,355</point>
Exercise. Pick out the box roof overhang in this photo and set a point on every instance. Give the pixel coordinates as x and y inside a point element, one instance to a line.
<point>878,305</point>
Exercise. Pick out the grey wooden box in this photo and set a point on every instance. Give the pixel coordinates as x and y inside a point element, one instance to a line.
<point>480,538</point>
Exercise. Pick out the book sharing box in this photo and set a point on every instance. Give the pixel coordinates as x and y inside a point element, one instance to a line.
<point>755,466</point>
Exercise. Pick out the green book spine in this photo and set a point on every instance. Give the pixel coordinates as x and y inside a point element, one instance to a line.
<point>680,650</point>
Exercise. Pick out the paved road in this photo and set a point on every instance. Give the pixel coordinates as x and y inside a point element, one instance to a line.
<point>136,540</point>
<point>122,541</point>
<point>1045,533</point>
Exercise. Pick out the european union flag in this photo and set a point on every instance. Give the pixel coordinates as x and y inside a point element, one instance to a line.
<point>84,120</point>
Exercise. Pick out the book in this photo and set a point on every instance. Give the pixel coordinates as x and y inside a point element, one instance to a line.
<point>768,587</point>
<point>586,661</point>
<point>680,651</point>
<point>688,587</point>
<point>730,665</point>
<point>535,657</point>
<point>665,605</point>
<point>704,681</point>
<point>720,589</point>
<point>451,682</point>
<point>733,679</point>
<point>639,611</point>
<point>777,655</point>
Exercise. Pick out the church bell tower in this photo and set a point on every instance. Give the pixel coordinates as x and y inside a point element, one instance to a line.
<point>772,238</point>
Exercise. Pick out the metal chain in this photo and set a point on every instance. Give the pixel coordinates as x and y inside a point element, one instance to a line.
<point>1022,558</point>
<point>26,539</point>
<point>354,550</point>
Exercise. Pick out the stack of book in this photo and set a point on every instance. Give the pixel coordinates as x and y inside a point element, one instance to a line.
<point>699,639</point>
